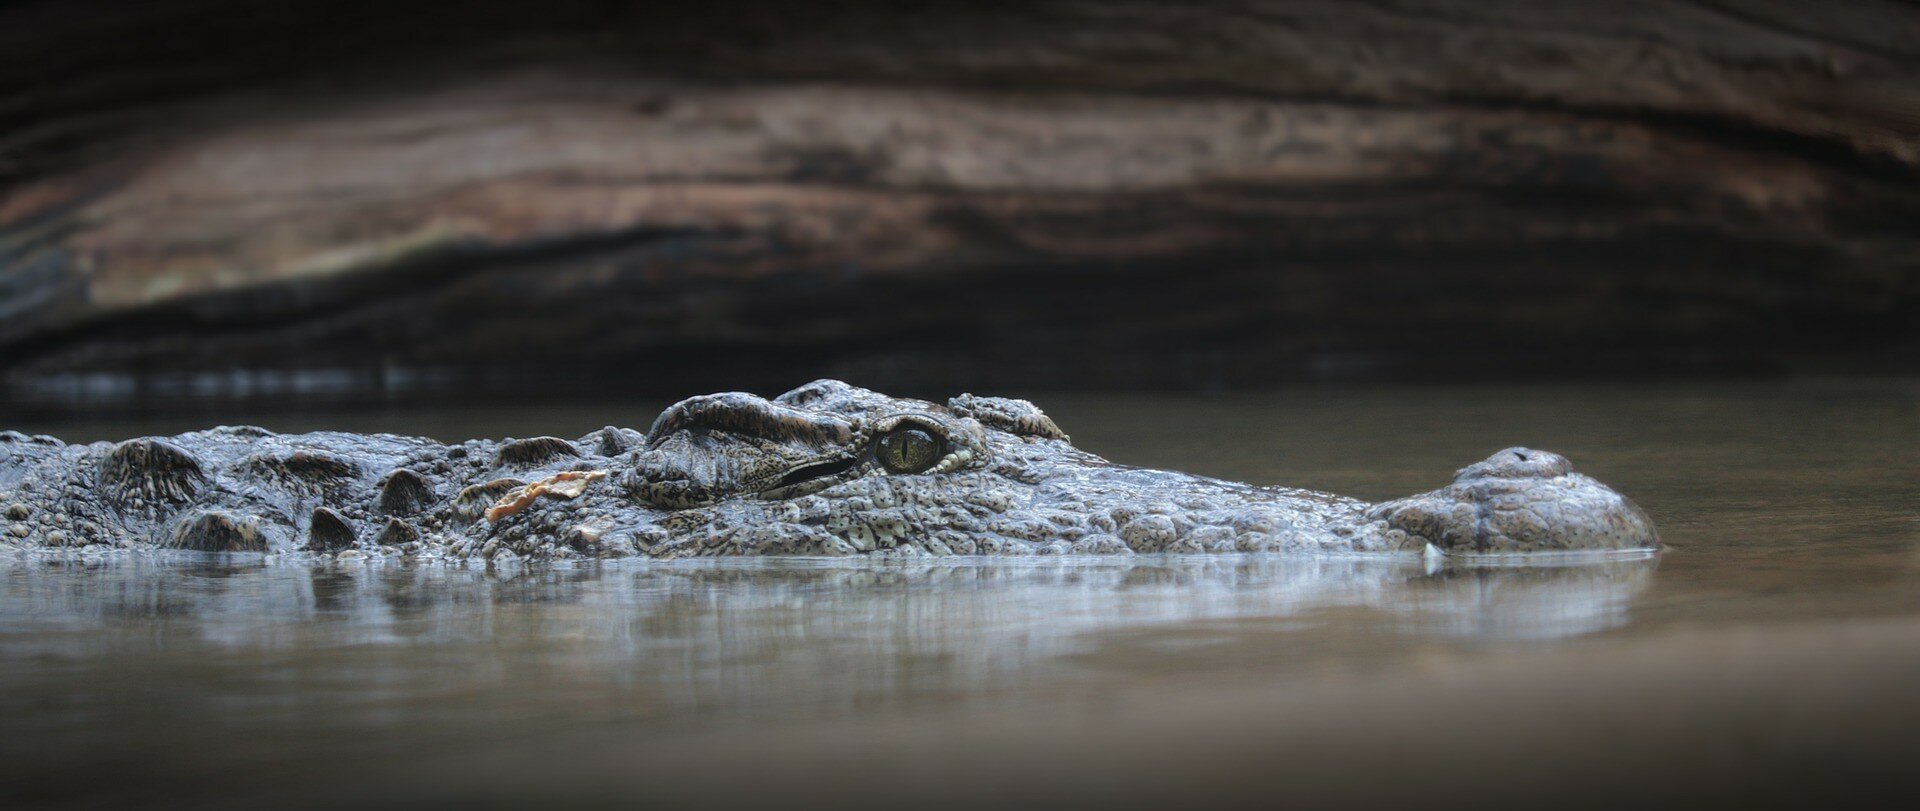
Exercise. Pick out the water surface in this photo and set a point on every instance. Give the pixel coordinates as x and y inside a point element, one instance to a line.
<point>1787,506</point>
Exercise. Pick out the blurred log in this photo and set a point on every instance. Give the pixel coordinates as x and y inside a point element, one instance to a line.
<point>960,195</point>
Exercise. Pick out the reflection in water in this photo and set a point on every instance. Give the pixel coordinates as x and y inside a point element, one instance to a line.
<point>706,634</point>
<point>1783,504</point>
<point>1539,599</point>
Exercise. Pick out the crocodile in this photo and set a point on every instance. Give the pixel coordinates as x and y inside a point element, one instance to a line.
<point>825,469</point>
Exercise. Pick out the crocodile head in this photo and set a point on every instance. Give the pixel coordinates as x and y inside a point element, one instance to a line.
<point>830,468</point>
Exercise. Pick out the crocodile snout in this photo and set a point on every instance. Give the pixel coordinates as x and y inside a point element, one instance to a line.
<point>1521,500</point>
<point>1517,463</point>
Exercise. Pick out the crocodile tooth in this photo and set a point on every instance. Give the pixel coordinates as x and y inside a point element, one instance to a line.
<point>404,492</point>
<point>395,533</point>
<point>328,531</point>
<point>218,532</point>
<point>151,470</point>
<point>533,452</point>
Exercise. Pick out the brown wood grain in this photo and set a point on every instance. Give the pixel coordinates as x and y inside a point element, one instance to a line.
<point>957,194</point>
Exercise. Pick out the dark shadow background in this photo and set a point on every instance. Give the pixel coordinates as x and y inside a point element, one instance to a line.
<point>203,199</point>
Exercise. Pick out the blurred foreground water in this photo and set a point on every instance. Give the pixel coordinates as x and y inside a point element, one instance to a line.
<point>1779,632</point>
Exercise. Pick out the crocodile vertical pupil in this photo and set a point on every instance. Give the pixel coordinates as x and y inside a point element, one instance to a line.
<point>909,450</point>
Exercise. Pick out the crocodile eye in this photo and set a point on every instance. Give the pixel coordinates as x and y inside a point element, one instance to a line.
<point>908,450</point>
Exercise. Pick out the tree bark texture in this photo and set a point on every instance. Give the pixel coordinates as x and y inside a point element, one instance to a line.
<point>963,195</point>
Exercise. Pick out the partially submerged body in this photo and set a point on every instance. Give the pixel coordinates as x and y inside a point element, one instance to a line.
<point>826,469</point>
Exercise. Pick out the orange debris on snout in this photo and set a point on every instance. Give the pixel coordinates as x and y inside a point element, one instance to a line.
<point>565,484</point>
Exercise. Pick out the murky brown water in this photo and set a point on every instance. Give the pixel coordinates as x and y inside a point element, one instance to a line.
<point>1781,628</point>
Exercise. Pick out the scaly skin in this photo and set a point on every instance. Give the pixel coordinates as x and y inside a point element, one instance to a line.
<point>735,474</point>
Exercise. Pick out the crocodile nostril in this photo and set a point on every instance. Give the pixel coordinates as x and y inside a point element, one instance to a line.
<point>1521,456</point>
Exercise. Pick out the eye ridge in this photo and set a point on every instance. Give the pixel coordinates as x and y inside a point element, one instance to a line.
<point>909,449</point>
